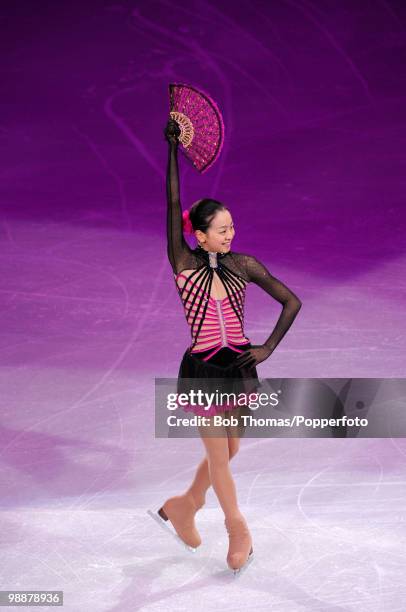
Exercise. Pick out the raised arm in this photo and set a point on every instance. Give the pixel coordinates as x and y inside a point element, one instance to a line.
<point>291,305</point>
<point>177,246</point>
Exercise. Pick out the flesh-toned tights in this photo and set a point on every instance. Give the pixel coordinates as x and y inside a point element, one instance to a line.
<point>221,443</point>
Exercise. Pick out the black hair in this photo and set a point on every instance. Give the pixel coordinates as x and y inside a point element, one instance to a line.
<point>202,213</point>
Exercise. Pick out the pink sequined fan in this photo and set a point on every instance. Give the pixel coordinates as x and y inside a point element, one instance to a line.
<point>201,124</point>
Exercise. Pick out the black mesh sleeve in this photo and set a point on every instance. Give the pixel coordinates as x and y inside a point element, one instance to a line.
<point>178,249</point>
<point>258,274</point>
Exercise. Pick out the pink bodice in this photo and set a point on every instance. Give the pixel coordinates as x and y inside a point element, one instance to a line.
<point>214,323</point>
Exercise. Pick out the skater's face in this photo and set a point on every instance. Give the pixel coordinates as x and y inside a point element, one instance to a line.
<point>219,234</point>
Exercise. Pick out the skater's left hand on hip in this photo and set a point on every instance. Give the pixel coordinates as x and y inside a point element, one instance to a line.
<point>253,356</point>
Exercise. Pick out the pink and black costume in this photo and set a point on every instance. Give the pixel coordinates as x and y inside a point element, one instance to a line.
<point>217,325</point>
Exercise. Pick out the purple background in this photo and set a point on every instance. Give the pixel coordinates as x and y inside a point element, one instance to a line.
<point>313,170</point>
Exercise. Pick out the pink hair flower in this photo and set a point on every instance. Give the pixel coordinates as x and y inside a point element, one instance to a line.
<point>187,224</point>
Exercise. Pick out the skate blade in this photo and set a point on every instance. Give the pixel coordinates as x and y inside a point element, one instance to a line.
<point>241,570</point>
<point>167,529</point>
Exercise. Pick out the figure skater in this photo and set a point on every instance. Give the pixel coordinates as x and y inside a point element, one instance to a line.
<point>211,281</point>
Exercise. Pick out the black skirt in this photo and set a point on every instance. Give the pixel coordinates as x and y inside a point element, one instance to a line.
<point>217,375</point>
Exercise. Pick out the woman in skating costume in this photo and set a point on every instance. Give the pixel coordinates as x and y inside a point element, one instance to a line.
<point>211,281</point>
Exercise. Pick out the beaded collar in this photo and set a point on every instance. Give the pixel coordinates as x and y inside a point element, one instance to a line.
<point>210,257</point>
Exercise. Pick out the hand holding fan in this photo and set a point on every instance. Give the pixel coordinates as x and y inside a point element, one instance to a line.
<point>200,122</point>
